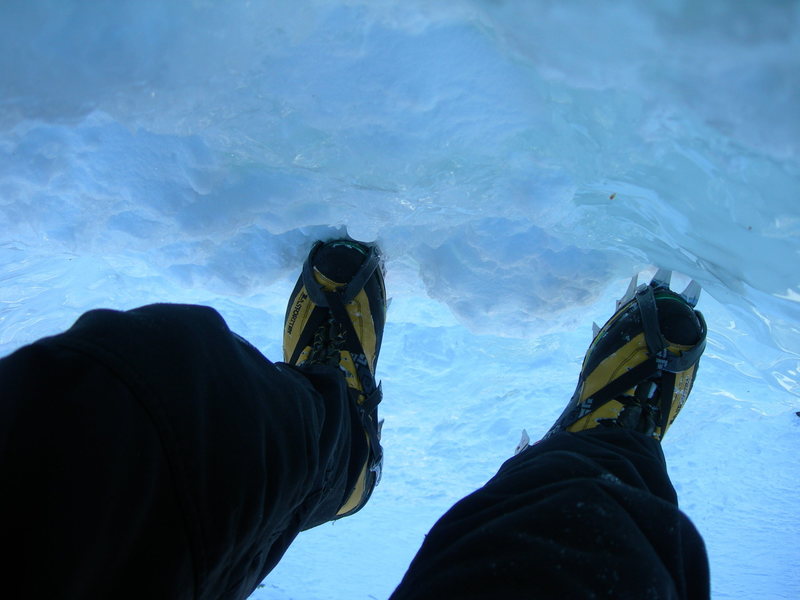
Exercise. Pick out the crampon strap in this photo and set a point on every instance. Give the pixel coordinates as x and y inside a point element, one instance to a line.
<point>656,342</point>
<point>320,297</point>
<point>373,393</point>
<point>659,360</point>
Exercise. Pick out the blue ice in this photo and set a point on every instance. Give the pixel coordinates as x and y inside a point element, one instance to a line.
<point>517,161</point>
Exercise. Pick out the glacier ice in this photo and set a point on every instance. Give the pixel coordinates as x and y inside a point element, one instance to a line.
<point>518,162</point>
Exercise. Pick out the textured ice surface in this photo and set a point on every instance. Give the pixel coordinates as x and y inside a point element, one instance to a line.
<point>518,161</point>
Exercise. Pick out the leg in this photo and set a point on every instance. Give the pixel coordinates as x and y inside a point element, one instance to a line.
<point>154,454</point>
<point>589,512</point>
<point>579,515</point>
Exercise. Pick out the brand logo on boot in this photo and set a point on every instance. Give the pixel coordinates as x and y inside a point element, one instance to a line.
<point>295,311</point>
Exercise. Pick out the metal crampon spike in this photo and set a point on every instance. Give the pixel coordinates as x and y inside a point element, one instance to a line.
<point>595,330</point>
<point>629,293</point>
<point>692,293</point>
<point>661,278</point>
<point>524,442</point>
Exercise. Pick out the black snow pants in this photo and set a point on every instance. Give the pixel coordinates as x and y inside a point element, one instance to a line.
<point>155,454</point>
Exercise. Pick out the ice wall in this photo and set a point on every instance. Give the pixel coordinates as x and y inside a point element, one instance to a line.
<point>516,160</point>
<point>598,142</point>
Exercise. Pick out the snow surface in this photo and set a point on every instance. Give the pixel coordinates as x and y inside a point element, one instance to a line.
<point>517,161</point>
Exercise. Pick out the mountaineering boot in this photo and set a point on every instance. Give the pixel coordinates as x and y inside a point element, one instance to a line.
<point>641,364</point>
<point>335,317</point>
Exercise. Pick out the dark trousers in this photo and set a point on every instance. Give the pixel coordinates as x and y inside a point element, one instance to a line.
<point>579,515</point>
<point>154,454</point>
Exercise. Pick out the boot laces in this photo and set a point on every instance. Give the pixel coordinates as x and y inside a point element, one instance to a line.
<point>328,342</point>
<point>641,411</point>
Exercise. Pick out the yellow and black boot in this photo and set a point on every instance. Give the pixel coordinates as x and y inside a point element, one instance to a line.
<point>642,363</point>
<point>335,316</point>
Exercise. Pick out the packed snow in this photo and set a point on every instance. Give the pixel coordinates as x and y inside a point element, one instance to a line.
<point>517,162</point>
